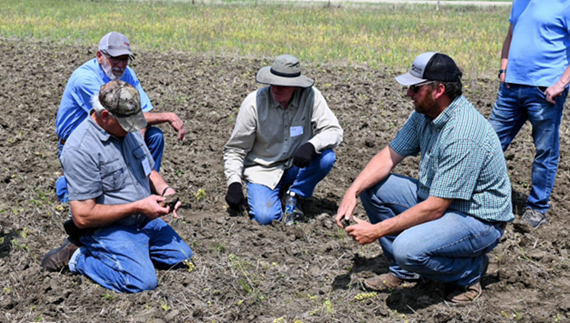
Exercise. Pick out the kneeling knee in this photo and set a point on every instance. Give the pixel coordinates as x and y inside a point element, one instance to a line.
<point>328,159</point>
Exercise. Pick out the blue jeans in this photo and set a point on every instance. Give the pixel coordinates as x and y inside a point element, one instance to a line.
<point>265,203</point>
<point>450,249</point>
<point>154,139</point>
<point>516,105</point>
<point>123,257</point>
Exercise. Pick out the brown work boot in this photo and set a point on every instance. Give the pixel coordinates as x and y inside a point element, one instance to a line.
<point>57,259</point>
<point>465,295</point>
<point>383,282</point>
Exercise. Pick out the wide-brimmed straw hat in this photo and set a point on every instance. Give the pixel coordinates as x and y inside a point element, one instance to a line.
<point>285,71</point>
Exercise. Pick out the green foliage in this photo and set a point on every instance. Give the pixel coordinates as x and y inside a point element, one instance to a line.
<point>200,194</point>
<point>377,35</point>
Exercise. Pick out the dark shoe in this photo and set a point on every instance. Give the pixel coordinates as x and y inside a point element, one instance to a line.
<point>465,295</point>
<point>57,259</point>
<point>533,217</point>
<point>384,282</point>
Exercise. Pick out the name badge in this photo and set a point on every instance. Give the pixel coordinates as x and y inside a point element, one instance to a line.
<point>296,131</point>
<point>146,167</point>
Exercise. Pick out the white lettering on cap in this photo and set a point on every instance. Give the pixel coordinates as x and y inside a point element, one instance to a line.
<point>419,71</point>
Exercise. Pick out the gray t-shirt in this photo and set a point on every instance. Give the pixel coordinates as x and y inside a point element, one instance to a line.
<point>111,170</point>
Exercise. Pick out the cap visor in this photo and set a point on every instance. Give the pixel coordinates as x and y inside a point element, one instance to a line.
<point>408,79</point>
<point>132,123</point>
<point>264,76</point>
<point>120,52</point>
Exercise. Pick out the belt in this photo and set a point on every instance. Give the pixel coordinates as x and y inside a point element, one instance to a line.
<point>62,141</point>
<point>503,225</point>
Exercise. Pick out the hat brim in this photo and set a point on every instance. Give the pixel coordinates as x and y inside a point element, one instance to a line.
<point>408,79</point>
<point>120,52</point>
<point>132,123</point>
<point>264,76</point>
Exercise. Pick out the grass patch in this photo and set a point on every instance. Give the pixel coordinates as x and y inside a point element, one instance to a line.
<point>377,35</point>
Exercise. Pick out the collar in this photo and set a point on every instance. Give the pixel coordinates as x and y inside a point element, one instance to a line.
<point>294,101</point>
<point>100,132</point>
<point>444,117</point>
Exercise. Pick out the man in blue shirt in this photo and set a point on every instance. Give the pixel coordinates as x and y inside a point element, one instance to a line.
<point>116,199</point>
<point>442,225</point>
<point>111,62</point>
<point>534,75</point>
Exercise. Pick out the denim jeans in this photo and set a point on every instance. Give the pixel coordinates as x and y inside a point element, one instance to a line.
<point>123,257</point>
<point>450,249</point>
<point>265,203</point>
<point>154,139</point>
<point>516,105</point>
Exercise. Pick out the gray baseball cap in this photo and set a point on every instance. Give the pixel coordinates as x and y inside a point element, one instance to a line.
<point>431,66</point>
<point>285,71</point>
<point>124,101</point>
<point>116,44</point>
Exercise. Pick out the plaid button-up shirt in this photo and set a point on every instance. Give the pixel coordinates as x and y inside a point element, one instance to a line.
<point>461,159</point>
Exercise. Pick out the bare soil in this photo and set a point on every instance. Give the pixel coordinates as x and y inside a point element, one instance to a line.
<point>309,272</point>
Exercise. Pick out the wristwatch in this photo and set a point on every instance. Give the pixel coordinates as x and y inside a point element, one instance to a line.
<point>501,72</point>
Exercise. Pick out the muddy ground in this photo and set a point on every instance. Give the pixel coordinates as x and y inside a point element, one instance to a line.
<point>309,272</point>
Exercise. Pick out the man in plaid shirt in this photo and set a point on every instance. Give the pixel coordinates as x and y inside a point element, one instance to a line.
<point>442,225</point>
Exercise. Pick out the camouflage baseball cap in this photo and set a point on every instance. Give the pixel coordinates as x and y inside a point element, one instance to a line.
<point>123,100</point>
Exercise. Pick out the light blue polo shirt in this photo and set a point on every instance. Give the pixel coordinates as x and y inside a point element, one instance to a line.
<point>461,159</point>
<point>111,170</point>
<point>81,86</point>
<point>540,48</point>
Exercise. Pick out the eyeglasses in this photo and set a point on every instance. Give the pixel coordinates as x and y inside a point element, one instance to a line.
<point>116,60</point>
<point>416,87</point>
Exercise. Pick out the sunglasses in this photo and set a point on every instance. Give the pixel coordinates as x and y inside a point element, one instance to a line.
<point>417,87</point>
<point>117,60</point>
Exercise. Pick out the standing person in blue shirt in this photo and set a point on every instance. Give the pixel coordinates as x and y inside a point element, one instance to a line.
<point>534,75</point>
<point>442,225</point>
<point>111,63</point>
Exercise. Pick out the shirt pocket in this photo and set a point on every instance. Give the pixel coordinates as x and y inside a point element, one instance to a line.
<point>113,176</point>
<point>140,157</point>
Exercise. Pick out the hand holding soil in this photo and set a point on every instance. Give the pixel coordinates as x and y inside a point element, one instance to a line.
<point>170,201</point>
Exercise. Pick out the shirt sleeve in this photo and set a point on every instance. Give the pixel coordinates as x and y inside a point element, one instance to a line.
<point>132,79</point>
<point>82,175</point>
<point>241,140</point>
<point>407,140</point>
<point>84,89</point>
<point>328,133</point>
<point>459,168</point>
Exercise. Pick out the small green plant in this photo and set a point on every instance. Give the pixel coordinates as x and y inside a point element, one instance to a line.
<point>108,296</point>
<point>363,296</point>
<point>7,290</point>
<point>200,194</point>
<point>328,306</point>
<point>190,264</point>
<point>164,306</point>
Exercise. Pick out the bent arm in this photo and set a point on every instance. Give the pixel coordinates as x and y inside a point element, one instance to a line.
<point>89,214</point>
<point>557,89</point>
<point>377,169</point>
<point>163,117</point>
<point>431,209</point>
<point>328,132</point>
<point>241,142</point>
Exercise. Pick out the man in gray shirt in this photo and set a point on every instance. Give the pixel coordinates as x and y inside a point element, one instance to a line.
<point>284,136</point>
<point>119,236</point>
